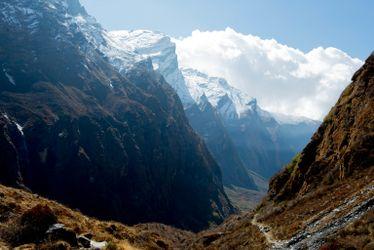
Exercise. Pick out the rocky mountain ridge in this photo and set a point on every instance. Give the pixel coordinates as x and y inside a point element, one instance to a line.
<point>252,139</point>
<point>161,51</point>
<point>73,129</point>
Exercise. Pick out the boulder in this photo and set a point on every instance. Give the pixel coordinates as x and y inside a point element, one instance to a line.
<point>58,232</point>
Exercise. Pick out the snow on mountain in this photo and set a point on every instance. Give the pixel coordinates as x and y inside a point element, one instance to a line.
<point>73,22</point>
<point>124,48</point>
<point>72,17</point>
<point>128,47</point>
<point>229,102</point>
<point>293,120</point>
<point>119,52</point>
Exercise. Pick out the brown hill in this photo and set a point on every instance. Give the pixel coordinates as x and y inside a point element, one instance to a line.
<point>324,198</point>
<point>25,218</point>
<point>342,146</point>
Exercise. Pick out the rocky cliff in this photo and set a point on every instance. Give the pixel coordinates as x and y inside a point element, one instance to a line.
<point>73,129</point>
<point>125,46</point>
<point>241,136</point>
<point>341,147</point>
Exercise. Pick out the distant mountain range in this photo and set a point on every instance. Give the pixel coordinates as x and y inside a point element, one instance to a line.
<point>241,136</point>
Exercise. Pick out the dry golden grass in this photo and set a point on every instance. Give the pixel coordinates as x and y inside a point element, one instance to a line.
<point>356,235</point>
<point>285,219</point>
<point>244,199</point>
<point>289,217</point>
<point>14,203</point>
<point>237,232</point>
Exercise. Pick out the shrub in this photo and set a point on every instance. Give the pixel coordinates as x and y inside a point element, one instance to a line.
<point>31,226</point>
<point>111,246</point>
<point>294,163</point>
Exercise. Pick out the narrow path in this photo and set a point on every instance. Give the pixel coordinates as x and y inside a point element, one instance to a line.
<point>324,224</point>
<point>274,243</point>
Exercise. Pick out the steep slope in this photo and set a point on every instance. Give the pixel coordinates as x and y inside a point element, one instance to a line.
<point>25,219</point>
<point>207,123</point>
<point>342,146</point>
<point>263,141</point>
<point>202,117</point>
<point>129,46</point>
<point>251,140</point>
<point>75,130</point>
<point>324,198</point>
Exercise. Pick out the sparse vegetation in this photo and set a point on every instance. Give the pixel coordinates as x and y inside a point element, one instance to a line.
<point>112,246</point>
<point>357,235</point>
<point>21,225</point>
<point>244,199</point>
<point>293,164</point>
<point>288,217</point>
<point>31,226</point>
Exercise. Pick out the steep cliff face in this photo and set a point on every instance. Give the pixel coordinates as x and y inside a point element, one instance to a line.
<point>250,139</point>
<point>207,123</point>
<point>342,146</point>
<point>263,141</point>
<point>75,130</point>
<point>125,46</point>
<point>324,199</point>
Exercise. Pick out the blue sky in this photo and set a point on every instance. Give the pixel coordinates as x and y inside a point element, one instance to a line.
<point>344,24</point>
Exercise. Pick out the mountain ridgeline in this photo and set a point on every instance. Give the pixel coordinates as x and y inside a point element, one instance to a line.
<point>73,129</point>
<point>241,136</point>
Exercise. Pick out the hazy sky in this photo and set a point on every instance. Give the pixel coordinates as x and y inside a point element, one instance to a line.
<point>344,24</point>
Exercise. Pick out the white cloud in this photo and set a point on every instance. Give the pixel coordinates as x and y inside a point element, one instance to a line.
<point>283,79</point>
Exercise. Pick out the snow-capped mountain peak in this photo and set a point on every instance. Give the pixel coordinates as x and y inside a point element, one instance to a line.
<point>230,102</point>
<point>130,46</point>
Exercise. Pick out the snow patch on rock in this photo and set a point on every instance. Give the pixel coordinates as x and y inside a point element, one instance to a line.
<point>10,77</point>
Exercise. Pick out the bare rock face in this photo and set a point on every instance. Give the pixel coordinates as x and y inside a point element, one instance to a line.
<point>342,146</point>
<point>207,123</point>
<point>73,129</point>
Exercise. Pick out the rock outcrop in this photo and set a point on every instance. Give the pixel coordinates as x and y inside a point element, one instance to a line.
<point>73,129</point>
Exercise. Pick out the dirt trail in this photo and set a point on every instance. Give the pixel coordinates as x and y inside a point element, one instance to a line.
<point>274,243</point>
<point>324,223</point>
